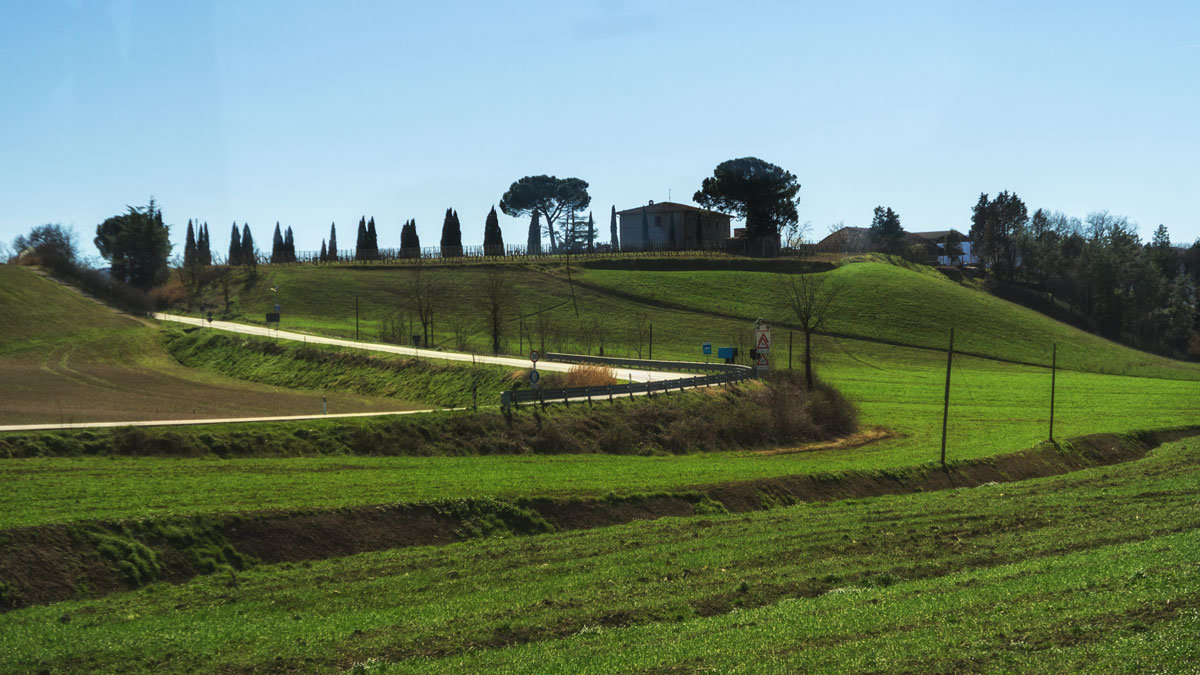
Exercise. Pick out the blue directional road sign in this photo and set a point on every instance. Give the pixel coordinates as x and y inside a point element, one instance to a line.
<point>725,352</point>
<point>707,348</point>
<point>534,376</point>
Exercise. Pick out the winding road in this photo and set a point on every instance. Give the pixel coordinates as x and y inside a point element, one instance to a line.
<point>262,331</point>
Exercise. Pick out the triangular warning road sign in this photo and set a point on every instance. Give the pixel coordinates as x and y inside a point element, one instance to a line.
<point>762,361</point>
<point>764,342</point>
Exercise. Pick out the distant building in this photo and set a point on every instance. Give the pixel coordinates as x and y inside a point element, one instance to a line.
<point>846,240</point>
<point>938,239</point>
<point>650,226</point>
<point>858,240</point>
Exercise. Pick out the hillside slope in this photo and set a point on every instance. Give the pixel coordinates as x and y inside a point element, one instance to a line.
<point>613,302</point>
<point>65,358</point>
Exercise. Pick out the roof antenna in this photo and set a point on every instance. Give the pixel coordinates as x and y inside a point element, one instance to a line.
<point>668,194</point>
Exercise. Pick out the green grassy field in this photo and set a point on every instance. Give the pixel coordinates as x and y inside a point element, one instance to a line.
<point>997,409</point>
<point>1094,570</point>
<point>65,358</point>
<point>689,306</point>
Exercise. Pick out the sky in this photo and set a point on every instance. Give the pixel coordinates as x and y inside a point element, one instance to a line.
<point>308,113</point>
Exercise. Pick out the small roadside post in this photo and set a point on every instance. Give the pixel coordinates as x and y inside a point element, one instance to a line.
<point>1053,373</point>
<point>534,375</point>
<point>946,403</point>
<point>762,346</point>
<point>324,405</point>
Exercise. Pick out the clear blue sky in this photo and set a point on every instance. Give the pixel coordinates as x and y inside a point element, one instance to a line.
<point>307,113</point>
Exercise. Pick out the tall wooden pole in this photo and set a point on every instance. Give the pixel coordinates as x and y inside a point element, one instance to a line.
<point>652,341</point>
<point>789,351</point>
<point>1053,373</point>
<point>355,318</point>
<point>946,404</point>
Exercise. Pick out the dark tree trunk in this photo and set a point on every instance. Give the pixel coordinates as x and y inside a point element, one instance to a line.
<point>808,376</point>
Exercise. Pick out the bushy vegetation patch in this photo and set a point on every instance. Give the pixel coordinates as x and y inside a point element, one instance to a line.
<point>746,416</point>
<point>298,366</point>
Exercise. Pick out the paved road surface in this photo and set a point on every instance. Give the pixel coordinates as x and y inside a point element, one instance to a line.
<point>635,375</point>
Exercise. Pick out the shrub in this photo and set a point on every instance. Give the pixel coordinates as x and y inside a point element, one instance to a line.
<point>589,376</point>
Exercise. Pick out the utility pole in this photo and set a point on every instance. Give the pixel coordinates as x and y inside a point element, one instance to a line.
<point>1053,373</point>
<point>652,341</point>
<point>946,404</point>
<point>356,317</point>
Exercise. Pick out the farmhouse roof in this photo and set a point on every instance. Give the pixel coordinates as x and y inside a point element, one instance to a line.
<point>666,207</point>
<point>937,234</point>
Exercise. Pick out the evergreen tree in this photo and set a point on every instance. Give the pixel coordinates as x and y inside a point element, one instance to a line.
<point>137,244</point>
<point>333,249</point>
<point>277,245</point>
<point>591,232</point>
<point>190,247</point>
<point>886,233</point>
<point>205,252</point>
<point>612,230</point>
<point>534,245</point>
<point>1161,254</point>
<point>413,237</point>
<point>451,235</point>
<point>249,254</point>
<point>493,240</point>
<point>324,256</point>
<point>410,243</point>
<point>289,246</point>
<point>372,239</point>
<point>360,243</point>
<point>235,246</point>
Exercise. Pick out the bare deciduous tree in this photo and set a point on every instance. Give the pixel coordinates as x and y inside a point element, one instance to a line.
<point>422,294</point>
<point>495,294</point>
<point>811,298</point>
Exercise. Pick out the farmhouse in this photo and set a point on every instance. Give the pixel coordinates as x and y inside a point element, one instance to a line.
<point>938,238</point>
<point>858,240</point>
<point>668,225</point>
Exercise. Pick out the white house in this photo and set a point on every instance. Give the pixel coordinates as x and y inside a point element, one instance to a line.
<point>668,225</point>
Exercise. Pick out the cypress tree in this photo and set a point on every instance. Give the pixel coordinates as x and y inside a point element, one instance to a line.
<point>189,247</point>
<point>205,252</point>
<point>493,239</point>
<point>235,246</point>
<point>451,235</point>
<point>249,255</point>
<point>415,238</point>
<point>289,246</point>
<point>333,250</point>
<point>410,243</point>
<point>360,242</point>
<point>372,239</point>
<point>612,227</point>
<point>277,245</point>
<point>591,231</point>
<point>324,254</point>
<point>534,245</point>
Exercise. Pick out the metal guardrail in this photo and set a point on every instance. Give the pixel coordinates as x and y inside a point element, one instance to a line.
<point>721,373</point>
